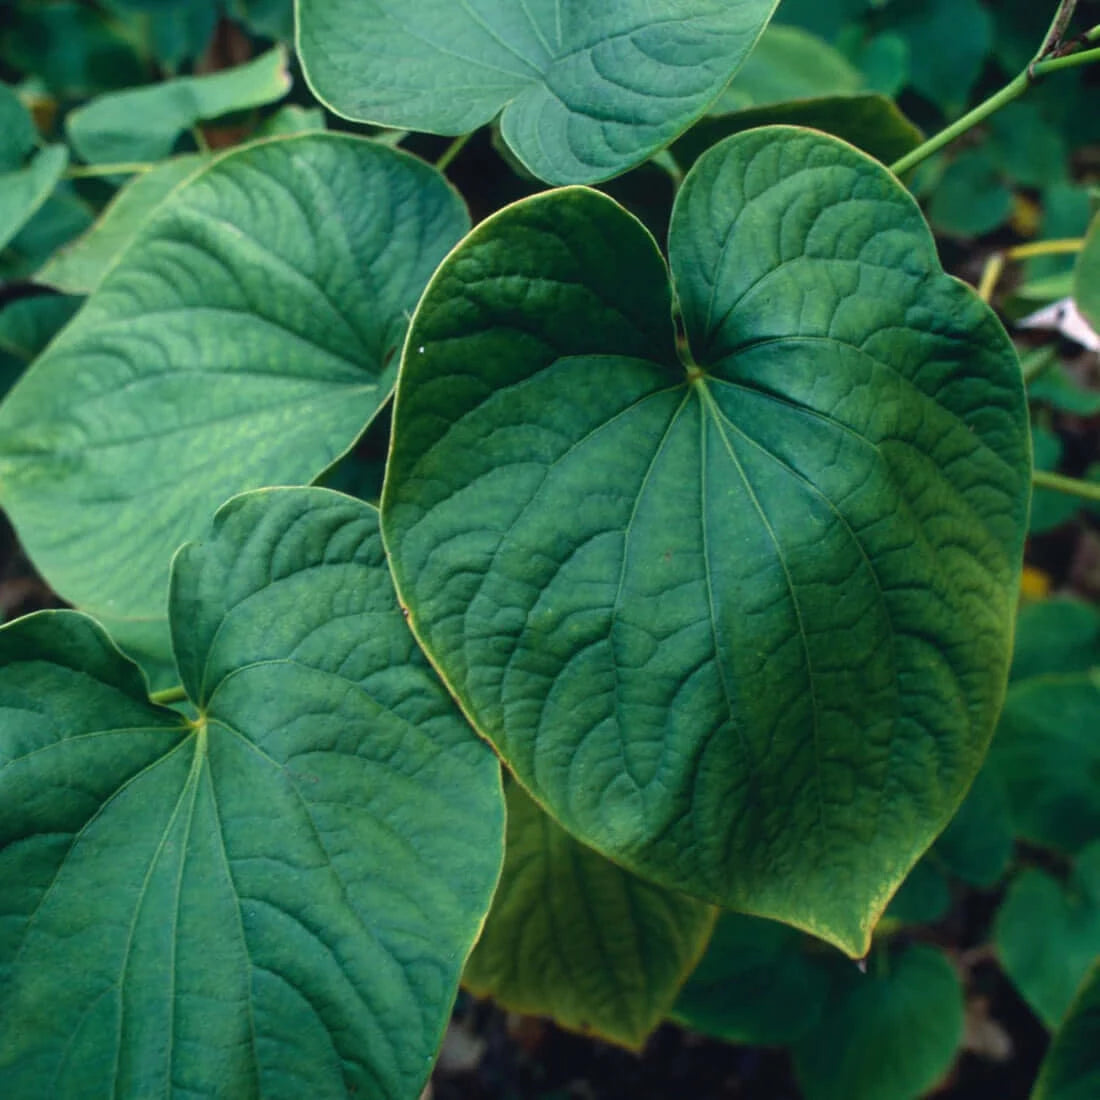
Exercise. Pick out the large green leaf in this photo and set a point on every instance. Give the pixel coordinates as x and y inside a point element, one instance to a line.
<point>1048,934</point>
<point>741,622</point>
<point>142,124</point>
<point>79,268</point>
<point>890,1034</point>
<point>1071,1069</point>
<point>274,898</point>
<point>572,936</point>
<point>245,338</point>
<point>1047,753</point>
<point>584,91</point>
<point>756,984</point>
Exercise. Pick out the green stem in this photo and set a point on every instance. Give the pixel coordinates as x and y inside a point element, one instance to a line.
<point>1057,30</point>
<point>1012,90</point>
<point>91,171</point>
<point>175,694</point>
<point>452,151</point>
<point>1072,486</point>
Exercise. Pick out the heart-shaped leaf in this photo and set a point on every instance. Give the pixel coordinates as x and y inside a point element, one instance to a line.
<point>1048,934</point>
<point>1047,754</point>
<point>890,1034</point>
<point>1071,1069</point>
<point>740,619</point>
<point>245,338</point>
<point>584,91</point>
<point>572,936</point>
<point>273,898</point>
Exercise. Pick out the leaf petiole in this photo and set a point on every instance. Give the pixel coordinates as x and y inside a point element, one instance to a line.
<point>1072,486</point>
<point>1012,90</point>
<point>175,694</point>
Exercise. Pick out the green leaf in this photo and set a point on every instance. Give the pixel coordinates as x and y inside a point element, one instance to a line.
<point>26,326</point>
<point>923,898</point>
<point>1048,755</point>
<point>883,61</point>
<point>756,984</point>
<point>1071,1069</point>
<point>17,132</point>
<point>177,30</point>
<point>1056,636</point>
<point>245,338</point>
<point>977,846</point>
<point>584,92</point>
<point>948,41</point>
<point>61,218</point>
<point>1086,276</point>
<point>1066,209</point>
<point>788,63</point>
<point>1027,148</point>
<point>742,623</point>
<point>1058,389</point>
<point>292,119</point>
<point>271,899</point>
<point>827,19</point>
<point>1049,509</point>
<point>872,123</point>
<point>890,1034</point>
<point>79,267</point>
<point>971,199</point>
<point>1048,934</point>
<point>72,47</point>
<point>23,191</point>
<point>142,124</point>
<point>574,937</point>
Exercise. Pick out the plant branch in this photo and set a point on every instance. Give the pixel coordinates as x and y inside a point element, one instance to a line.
<point>1072,486</point>
<point>453,150</point>
<point>1015,88</point>
<point>1057,30</point>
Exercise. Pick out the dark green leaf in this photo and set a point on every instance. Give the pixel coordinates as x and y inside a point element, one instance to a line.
<point>1048,754</point>
<point>1071,1069</point>
<point>245,338</point>
<point>24,190</point>
<point>872,123</point>
<point>977,845</point>
<point>890,1034</point>
<point>273,899</point>
<point>756,984</point>
<point>970,199</point>
<point>1055,387</point>
<point>742,626</point>
<point>572,936</point>
<point>923,898</point>
<point>1049,509</point>
<point>26,326</point>
<point>1056,636</point>
<point>583,92</point>
<point>1048,934</point>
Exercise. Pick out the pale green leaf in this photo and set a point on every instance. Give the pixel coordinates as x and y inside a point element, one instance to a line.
<point>583,91</point>
<point>273,899</point>
<point>1086,276</point>
<point>245,338</point>
<point>574,937</point>
<point>741,622</point>
<point>142,124</point>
